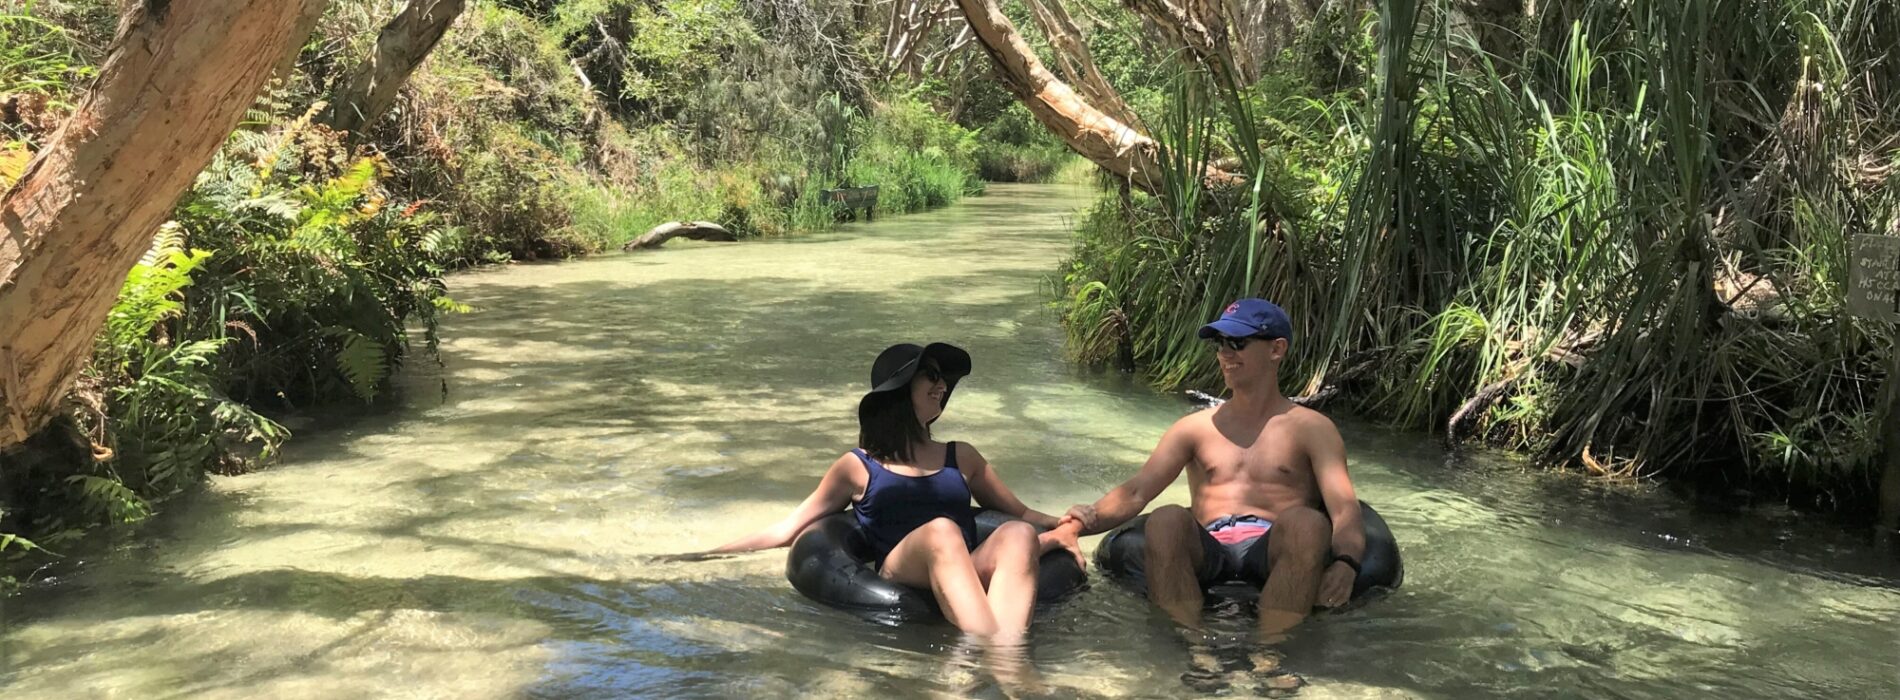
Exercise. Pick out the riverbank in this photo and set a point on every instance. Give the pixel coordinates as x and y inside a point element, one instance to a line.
<point>1549,232</point>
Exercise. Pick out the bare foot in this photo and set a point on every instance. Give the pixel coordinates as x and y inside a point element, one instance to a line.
<point>1205,673</point>
<point>960,675</point>
<point>1009,663</point>
<point>1281,684</point>
<point>1265,660</point>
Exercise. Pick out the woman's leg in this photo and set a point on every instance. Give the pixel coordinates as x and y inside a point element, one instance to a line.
<point>935,556</point>
<point>1007,562</point>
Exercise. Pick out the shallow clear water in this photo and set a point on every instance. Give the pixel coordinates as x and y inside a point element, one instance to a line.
<point>492,539</point>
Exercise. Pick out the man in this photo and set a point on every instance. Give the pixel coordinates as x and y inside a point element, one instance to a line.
<point>1269,490</point>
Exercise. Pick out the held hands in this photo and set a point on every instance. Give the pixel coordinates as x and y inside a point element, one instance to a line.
<point>1063,538</point>
<point>1335,586</point>
<point>1080,515</point>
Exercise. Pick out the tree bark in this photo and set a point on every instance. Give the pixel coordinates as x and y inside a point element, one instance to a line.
<point>1088,130</point>
<point>1199,27</point>
<point>1103,139</point>
<point>371,86</point>
<point>175,82</point>
<point>695,230</point>
<point>1078,65</point>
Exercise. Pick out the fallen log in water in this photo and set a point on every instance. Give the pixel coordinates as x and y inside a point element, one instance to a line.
<point>696,230</point>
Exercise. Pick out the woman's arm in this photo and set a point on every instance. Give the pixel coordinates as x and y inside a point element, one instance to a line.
<point>990,492</point>
<point>844,480</point>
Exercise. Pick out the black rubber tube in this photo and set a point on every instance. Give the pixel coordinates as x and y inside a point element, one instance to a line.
<point>1121,554</point>
<point>831,563</point>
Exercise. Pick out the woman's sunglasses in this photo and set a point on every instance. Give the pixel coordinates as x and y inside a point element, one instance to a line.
<point>1236,344</point>
<point>931,372</point>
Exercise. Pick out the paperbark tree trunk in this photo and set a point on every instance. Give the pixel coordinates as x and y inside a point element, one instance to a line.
<point>1103,139</point>
<point>1085,127</point>
<point>371,87</point>
<point>176,80</point>
<point>1077,63</point>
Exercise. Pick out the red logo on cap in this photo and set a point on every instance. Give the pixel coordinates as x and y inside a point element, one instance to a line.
<point>1232,308</point>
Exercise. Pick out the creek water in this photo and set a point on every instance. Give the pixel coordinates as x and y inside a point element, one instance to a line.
<point>492,535</point>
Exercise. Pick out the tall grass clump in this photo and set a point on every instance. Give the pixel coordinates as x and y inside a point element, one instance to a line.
<point>1014,148</point>
<point>1610,234</point>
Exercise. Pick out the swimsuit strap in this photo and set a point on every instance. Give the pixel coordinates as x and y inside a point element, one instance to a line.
<point>871,465</point>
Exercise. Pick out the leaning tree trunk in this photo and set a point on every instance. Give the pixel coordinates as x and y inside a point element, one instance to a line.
<point>371,86</point>
<point>1071,51</point>
<point>695,230</point>
<point>175,82</point>
<point>1199,27</point>
<point>1087,130</point>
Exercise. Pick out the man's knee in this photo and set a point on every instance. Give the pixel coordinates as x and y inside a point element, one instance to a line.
<point>1170,522</point>
<point>1301,533</point>
<point>1171,532</point>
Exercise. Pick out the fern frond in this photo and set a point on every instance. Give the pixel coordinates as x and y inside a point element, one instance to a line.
<point>363,361</point>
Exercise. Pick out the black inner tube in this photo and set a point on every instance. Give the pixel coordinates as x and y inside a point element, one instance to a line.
<point>831,562</point>
<point>1121,555</point>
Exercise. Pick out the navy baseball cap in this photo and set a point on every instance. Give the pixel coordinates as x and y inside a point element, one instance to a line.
<point>1249,317</point>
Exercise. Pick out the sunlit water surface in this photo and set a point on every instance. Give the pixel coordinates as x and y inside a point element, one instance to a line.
<point>491,536</point>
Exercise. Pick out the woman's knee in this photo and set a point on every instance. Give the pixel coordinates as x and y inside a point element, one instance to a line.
<point>937,528</point>
<point>1016,532</point>
<point>1017,537</point>
<point>942,532</point>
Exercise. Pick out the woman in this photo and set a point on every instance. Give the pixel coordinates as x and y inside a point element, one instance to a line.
<point>911,496</point>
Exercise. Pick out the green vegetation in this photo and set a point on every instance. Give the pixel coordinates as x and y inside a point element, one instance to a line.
<point>1612,234</point>
<point>305,267</point>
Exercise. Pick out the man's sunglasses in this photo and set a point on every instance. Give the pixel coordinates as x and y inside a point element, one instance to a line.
<point>1237,344</point>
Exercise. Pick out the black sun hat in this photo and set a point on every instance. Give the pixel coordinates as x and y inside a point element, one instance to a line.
<point>898,364</point>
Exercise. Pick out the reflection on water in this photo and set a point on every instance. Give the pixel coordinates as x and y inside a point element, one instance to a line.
<point>492,541</point>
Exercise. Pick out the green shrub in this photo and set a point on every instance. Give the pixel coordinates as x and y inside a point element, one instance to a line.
<point>1015,148</point>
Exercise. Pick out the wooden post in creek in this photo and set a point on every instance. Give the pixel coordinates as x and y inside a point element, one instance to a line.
<point>1889,524</point>
<point>1874,293</point>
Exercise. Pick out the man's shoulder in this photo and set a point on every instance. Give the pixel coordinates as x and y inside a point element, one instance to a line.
<point>1194,423</point>
<point>1310,423</point>
<point>1188,431</point>
<point>1308,416</point>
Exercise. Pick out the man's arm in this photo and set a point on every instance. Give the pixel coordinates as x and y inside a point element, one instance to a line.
<point>1327,452</point>
<point>990,492</point>
<point>1124,502</point>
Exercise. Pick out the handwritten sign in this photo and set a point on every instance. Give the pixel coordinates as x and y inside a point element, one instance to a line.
<point>1873,279</point>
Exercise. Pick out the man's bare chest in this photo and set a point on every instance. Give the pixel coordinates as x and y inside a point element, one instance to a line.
<point>1273,458</point>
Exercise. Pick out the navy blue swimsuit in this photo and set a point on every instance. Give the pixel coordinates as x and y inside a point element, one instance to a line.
<point>894,504</point>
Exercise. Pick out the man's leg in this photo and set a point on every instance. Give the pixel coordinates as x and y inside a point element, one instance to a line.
<point>1172,556</point>
<point>1296,557</point>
